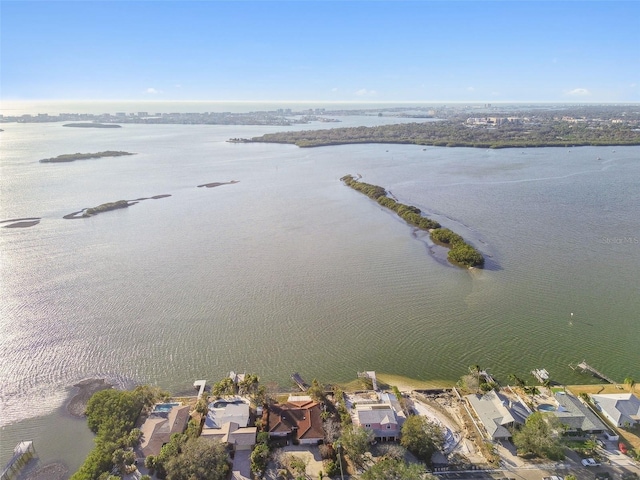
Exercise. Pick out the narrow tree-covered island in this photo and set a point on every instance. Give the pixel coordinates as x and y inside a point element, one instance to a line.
<point>72,157</point>
<point>460,253</point>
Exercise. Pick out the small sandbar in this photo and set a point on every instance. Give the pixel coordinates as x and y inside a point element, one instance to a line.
<point>92,125</point>
<point>86,388</point>
<point>217,184</point>
<point>155,197</point>
<point>21,222</point>
<point>74,215</point>
<point>107,207</point>
<point>53,471</point>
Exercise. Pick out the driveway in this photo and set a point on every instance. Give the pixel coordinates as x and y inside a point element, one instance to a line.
<point>241,469</point>
<point>310,454</point>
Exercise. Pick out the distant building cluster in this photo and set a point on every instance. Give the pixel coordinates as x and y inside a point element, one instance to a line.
<point>280,117</point>
<point>495,120</point>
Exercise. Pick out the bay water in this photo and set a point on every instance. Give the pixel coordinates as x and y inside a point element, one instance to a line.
<point>289,270</point>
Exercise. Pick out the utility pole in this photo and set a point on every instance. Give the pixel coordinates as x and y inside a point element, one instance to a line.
<point>339,445</point>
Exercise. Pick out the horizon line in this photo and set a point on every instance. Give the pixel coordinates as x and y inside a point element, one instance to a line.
<point>98,100</point>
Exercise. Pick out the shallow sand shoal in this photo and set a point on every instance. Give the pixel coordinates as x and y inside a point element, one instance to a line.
<point>86,388</point>
<point>53,471</point>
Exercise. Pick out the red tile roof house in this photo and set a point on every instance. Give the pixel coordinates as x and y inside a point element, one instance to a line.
<point>298,421</point>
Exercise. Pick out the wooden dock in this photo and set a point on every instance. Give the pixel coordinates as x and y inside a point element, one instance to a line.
<point>23,452</point>
<point>200,386</point>
<point>304,386</point>
<point>585,367</point>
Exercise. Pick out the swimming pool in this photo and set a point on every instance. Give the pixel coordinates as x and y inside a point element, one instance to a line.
<point>224,403</point>
<point>164,407</point>
<point>546,407</point>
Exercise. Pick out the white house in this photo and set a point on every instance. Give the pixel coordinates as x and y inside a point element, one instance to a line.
<point>621,409</point>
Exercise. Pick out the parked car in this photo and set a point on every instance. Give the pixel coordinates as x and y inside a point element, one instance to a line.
<point>623,448</point>
<point>553,477</point>
<point>590,462</point>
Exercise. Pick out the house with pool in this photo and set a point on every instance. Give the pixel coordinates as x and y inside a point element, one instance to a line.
<point>164,420</point>
<point>229,421</point>
<point>579,420</point>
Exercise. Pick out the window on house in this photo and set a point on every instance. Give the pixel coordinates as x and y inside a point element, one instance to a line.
<point>367,425</point>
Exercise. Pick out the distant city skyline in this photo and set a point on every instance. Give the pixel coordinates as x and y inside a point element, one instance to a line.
<point>321,51</point>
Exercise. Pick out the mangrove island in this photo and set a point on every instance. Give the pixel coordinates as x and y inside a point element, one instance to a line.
<point>92,125</point>
<point>460,253</point>
<point>72,157</point>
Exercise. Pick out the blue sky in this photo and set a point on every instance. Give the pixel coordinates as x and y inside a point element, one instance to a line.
<point>370,51</point>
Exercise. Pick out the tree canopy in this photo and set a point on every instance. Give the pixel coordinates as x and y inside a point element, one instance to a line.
<point>356,442</point>
<point>460,253</point>
<point>112,414</point>
<point>421,437</point>
<point>198,459</point>
<point>543,131</point>
<point>392,469</point>
<point>540,436</point>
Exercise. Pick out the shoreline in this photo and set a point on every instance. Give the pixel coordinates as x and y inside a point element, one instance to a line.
<point>51,471</point>
<point>77,405</point>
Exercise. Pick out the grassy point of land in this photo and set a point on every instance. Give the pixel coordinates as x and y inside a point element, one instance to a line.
<point>599,388</point>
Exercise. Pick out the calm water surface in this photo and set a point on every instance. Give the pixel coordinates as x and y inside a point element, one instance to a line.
<point>289,270</point>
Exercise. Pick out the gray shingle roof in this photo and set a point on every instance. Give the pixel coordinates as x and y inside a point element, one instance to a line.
<point>576,415</point>
<point>496,412</point>
<point>622,407</point>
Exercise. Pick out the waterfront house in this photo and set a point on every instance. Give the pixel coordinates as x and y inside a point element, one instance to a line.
<point>239,438</point>
<point>297,421</point>
<point>381,420</point>
<point>498,413</point>
<point>228,421</point>
<point>159,426</point>
<point>578,418</point>
<point>379,412</point>
<point>621,409</point>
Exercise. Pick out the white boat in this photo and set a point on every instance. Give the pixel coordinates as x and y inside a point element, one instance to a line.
<point>541,374</point>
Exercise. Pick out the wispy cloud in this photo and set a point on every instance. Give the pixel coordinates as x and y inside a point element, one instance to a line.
<point>334,89</point>
<point>152,91</point>
<point>363,92</point>
<point>579,92</point>
<point>471,89</point>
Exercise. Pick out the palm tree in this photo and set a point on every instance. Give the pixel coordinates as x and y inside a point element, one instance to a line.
<point>631,382</point>
<point>516,380</point>
<point>475,369</point>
